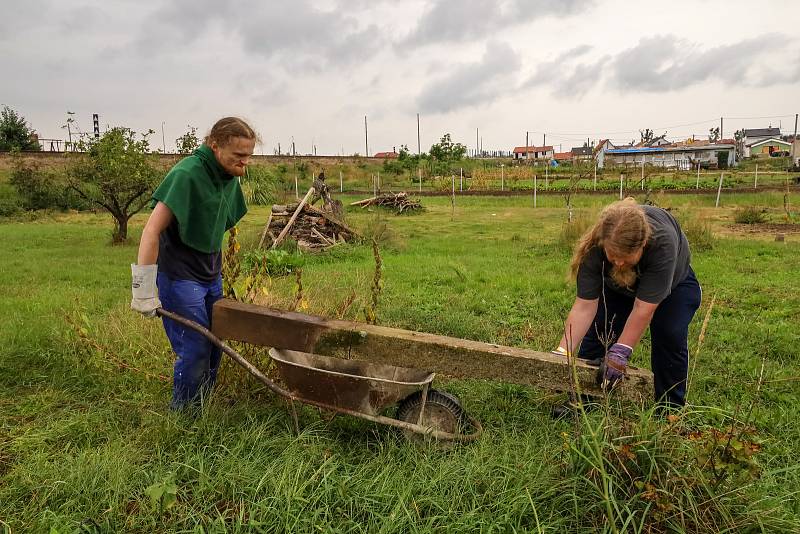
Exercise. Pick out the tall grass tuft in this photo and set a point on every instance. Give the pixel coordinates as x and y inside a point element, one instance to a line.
<point>698,231</point>
<point>260,187</point>
<point>377,229</point>
<point>571,231</point>
<point>749,215</point>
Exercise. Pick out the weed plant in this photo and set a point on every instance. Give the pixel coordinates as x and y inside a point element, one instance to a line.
<point>698,231</point>
<point>749,215</point>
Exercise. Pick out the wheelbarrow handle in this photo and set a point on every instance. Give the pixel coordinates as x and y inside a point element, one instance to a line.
<point>238,358</point>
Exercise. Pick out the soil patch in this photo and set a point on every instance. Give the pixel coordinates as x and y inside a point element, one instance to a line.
<point>763,230</point>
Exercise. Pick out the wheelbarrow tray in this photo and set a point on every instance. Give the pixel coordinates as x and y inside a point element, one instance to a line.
<point>355,385</point>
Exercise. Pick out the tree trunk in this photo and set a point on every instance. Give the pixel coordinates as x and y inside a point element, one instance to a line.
<point>121,230</point>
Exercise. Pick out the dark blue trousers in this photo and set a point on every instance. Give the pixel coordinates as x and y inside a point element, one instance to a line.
<point>197,358</point>
<point>669,334</point>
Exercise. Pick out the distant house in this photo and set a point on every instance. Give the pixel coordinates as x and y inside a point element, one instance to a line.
<point>603,144</point>
<point>682,157</point>
<point>562,157</point>
<point>386,155</point>
<point>766,147</point>
<point>533,152</point>
<point>755,135</point>
<point>600,151</point>
<point>582,153</point>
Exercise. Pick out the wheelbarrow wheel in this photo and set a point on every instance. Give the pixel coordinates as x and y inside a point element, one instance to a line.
<point>443,412</point>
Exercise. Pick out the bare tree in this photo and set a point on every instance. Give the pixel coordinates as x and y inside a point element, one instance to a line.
<point>581,171</point>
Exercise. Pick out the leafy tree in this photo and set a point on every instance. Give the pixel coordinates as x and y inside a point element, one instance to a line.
<point>444,153</point>
<point>15,134</point>
<point>407,160</point>
<point>393,166</point>
<point>713,134</point>
<point>447,151</point>
<point>116,173</point>
<point>188,142</point>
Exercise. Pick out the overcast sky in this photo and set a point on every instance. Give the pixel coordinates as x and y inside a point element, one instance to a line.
<point>311,70</point>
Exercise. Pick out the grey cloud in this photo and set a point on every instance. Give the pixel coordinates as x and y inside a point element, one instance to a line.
<point>581,80</point>
<point>566,78</point>
<point>26,15</point>
<point>665,63</point>
<point>294,32</point>
<point>481,82</point>
<point>574,53</point>
<point>448,21</point>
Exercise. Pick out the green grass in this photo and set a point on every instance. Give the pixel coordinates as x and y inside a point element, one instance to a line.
<point>85,433</point>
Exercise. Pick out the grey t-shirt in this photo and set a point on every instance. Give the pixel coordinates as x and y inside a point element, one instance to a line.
<point>664,263</point>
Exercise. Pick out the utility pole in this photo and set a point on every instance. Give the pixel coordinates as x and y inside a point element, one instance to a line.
<point>366,137</point>
<point>544,139</point>
<point>163,144</point>
<point>419,146</point>
<point>794,141</point>
<point>527,154</point>
<point>476,142</point>
<point>720,130</point>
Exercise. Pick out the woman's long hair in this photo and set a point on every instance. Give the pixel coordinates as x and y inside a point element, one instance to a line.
<point>623,229</point>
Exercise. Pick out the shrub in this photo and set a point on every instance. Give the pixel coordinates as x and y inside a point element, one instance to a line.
<point>10,202</point>
<point>41,189</point>
<point>276,262</point>
<point>749,215</point>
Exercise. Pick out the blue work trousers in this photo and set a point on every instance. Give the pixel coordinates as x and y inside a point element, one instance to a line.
<point>669,333</point>
<point>197,359</point>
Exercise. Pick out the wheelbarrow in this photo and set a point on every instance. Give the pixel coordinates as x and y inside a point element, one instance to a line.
<point>359,389</point>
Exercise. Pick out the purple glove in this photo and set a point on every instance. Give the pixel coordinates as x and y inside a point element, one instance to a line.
<point>613,367</point>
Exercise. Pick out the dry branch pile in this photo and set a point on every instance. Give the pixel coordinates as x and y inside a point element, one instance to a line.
<point>396,201</point>
<point>312,228</point>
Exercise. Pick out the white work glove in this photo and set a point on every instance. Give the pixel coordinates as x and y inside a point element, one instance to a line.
<point>143,287</point>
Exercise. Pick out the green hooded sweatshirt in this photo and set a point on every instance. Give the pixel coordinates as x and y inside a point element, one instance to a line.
<point>205,200</point>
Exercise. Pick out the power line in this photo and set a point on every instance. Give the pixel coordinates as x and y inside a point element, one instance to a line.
<point>567,135</point>
<point>752,118</point>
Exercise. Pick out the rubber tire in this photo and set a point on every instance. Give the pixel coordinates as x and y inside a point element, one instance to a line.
<point>444,408</point>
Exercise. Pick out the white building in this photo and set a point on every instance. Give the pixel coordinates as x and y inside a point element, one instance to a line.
<point>682,157</point>
<point>533,153</point>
